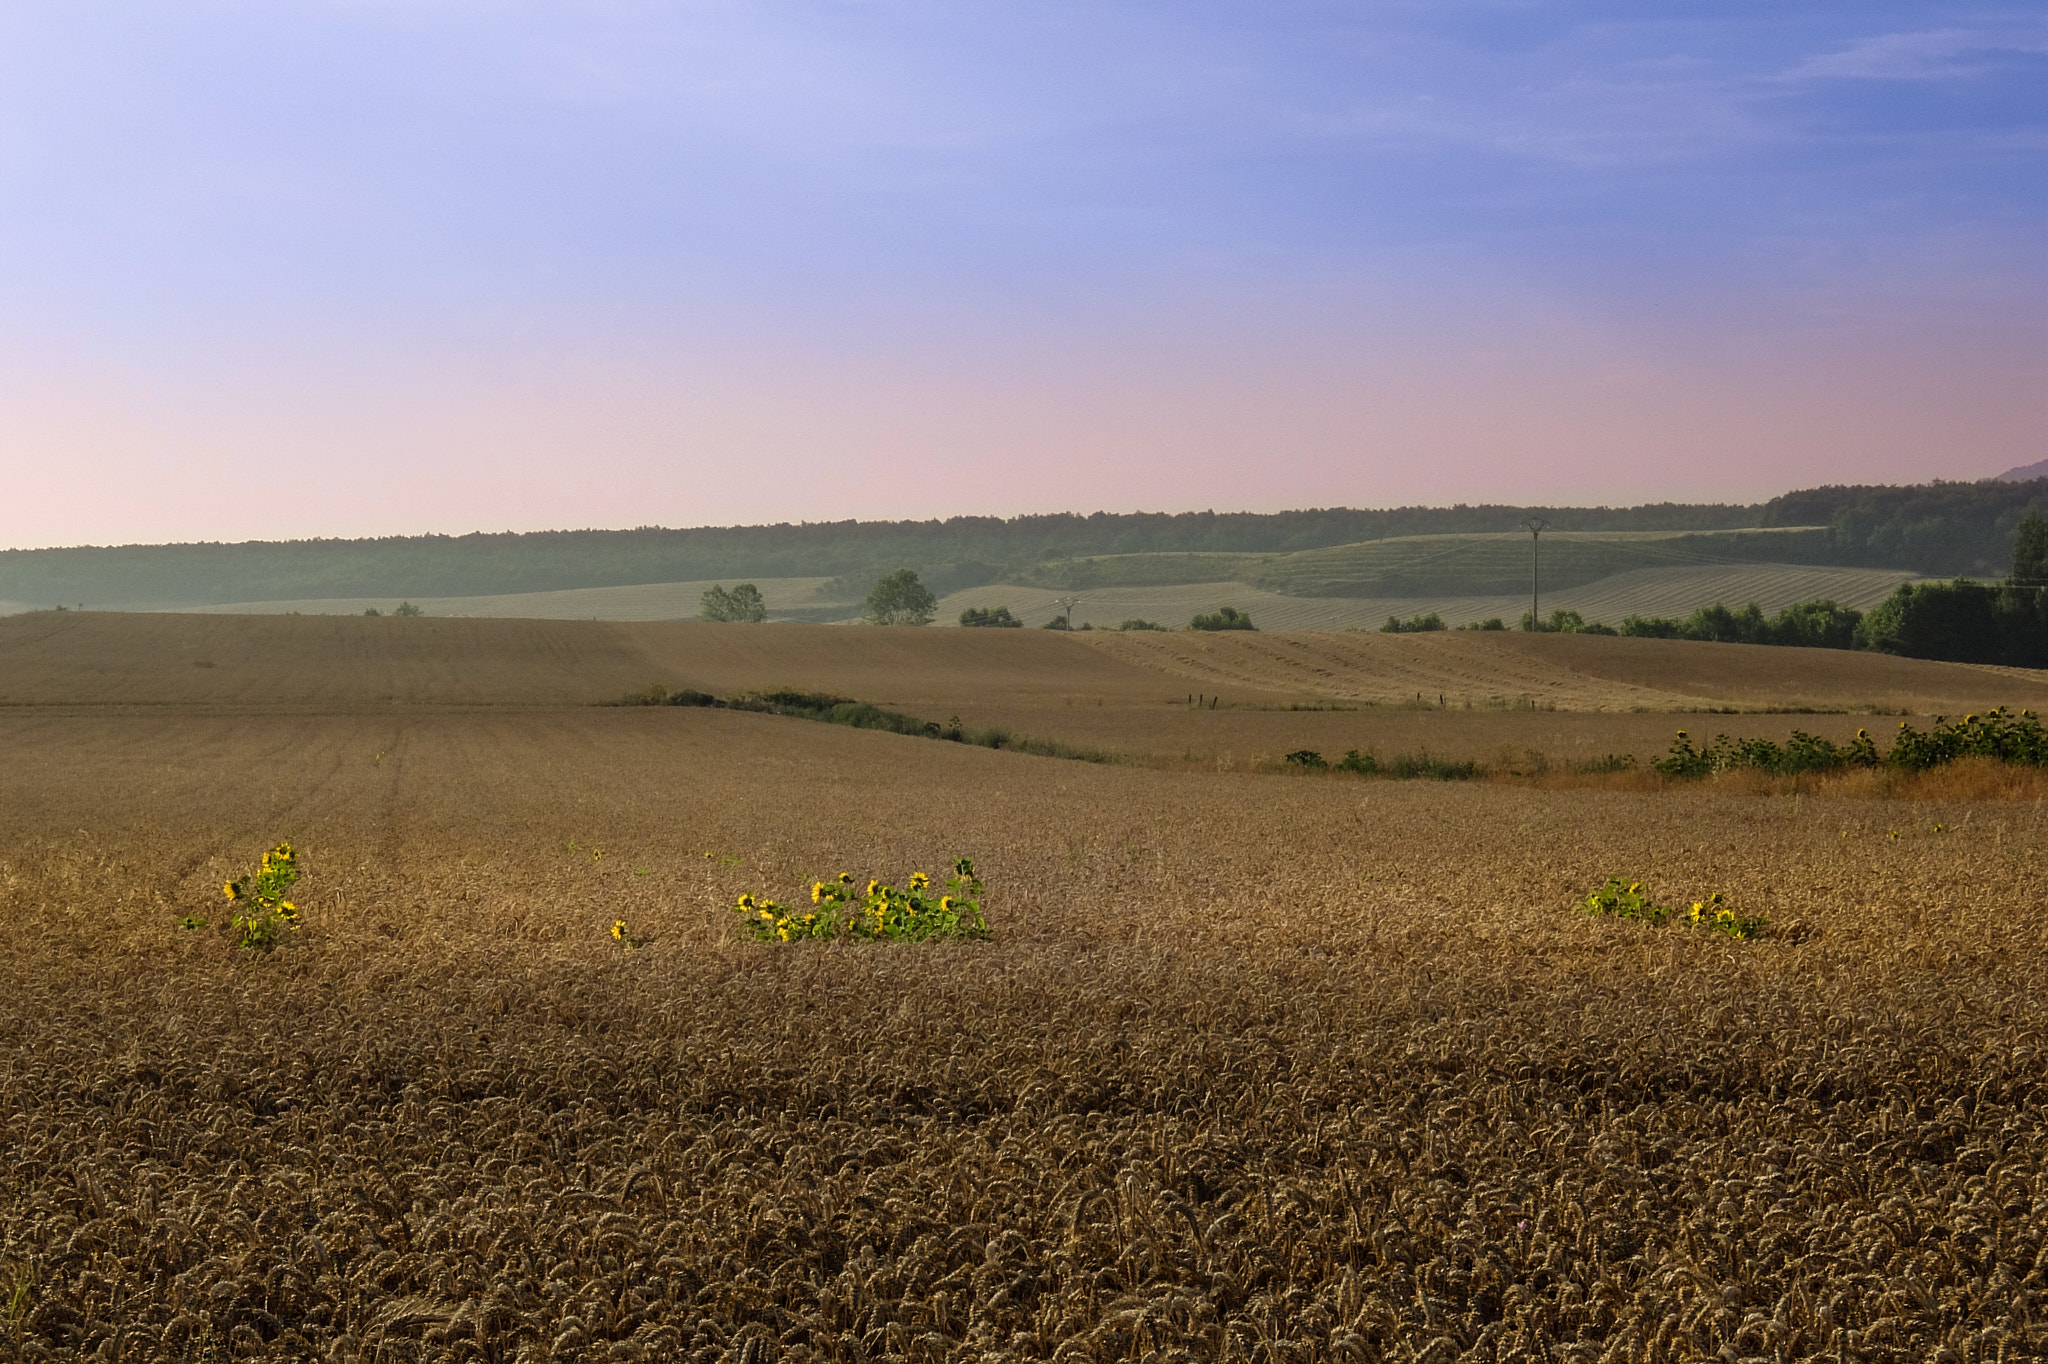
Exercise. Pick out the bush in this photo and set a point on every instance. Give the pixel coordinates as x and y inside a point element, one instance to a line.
<point>1409,767</point>
<point>1816,624</point>
<point>1490,623</point>
<point>1057,623</point>
<point>900,599</point>
<point>1962,622</point>
<point>1997,734</point>
<point>1137,623</point>
<point>1306,758</point>
<point>1417,624</point>
<point>1563,622</point>
<point>406,608</point>
<point>1223,618</point>
<point>997,616</point>
<point>744,604</point>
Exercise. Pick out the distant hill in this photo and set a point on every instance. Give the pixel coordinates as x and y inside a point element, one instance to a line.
<point>2026,472</point>
<point>1938,529</point>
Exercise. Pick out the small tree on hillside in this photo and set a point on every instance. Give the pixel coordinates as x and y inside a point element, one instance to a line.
<point>900,599</point>
<point>743,603</point>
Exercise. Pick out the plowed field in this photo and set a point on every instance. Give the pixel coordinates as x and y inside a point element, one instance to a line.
<point>1256,1067</point>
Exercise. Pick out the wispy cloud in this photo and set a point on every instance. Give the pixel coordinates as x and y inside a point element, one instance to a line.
<point>1937,54</point>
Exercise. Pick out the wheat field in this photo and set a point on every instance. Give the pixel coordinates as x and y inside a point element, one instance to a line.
<point>1257,1067</point>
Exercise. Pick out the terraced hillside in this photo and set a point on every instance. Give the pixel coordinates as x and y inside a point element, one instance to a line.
<point>1485,565</point>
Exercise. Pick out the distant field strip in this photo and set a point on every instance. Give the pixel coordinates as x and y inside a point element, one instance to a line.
<point>1648,592</point>
<point>645,601</point>
<point>1464,670</point>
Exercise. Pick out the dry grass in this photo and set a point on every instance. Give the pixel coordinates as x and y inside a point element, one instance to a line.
<point>1256,1068</point>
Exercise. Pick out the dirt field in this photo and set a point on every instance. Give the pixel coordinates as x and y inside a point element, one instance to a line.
<point>1259,1067</point>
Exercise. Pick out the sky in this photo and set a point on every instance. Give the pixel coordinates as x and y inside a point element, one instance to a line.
<point>274,269</point>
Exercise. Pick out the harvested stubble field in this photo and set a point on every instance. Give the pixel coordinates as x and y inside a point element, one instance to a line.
<point>1256,1067</point>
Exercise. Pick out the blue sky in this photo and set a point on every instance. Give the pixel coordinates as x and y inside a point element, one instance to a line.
<point>473,265</point>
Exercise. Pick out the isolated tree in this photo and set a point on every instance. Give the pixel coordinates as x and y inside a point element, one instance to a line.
<point>743,603</point>
<point>900,599</point>
<point>2030,552</point>
<point>1223,618</point>
<point>406,608</point>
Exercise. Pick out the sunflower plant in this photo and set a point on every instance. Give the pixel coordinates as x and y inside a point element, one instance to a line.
<point>1714,915</point>
<point>1624,900</point>
<point>262,913</point>
<point>841,908</point>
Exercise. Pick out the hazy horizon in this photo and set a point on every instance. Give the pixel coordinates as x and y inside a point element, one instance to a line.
<point>382,267</point>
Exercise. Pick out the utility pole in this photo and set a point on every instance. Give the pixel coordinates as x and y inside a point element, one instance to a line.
<point>1535,525</point>
<point>1067,605</point>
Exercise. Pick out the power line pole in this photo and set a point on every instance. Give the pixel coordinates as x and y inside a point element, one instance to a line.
<point>1535,525</point>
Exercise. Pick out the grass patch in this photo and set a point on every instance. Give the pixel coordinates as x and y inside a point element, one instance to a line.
<point>841,710</point>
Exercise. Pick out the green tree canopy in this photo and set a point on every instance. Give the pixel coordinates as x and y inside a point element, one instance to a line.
<point>743,603</point>
<point>2030,552</point>
<point>900,599</point>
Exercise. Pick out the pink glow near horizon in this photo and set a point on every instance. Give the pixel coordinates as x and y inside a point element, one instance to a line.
<point>279,452</point>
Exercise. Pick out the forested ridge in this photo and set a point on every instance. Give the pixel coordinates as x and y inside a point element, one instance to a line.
<point>1941,528</point>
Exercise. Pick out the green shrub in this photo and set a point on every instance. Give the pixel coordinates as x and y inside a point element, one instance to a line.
<point>1998,734</point>
<point>1223,618</point>
<point>1409,767</point>
<point>1564,622</point>
<point>1490,623</point>
<point>1417,624</point>
<point>998,617</point>
<point>1306,758</point>
<point>1138,623</point>
<point>1364,764</point>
